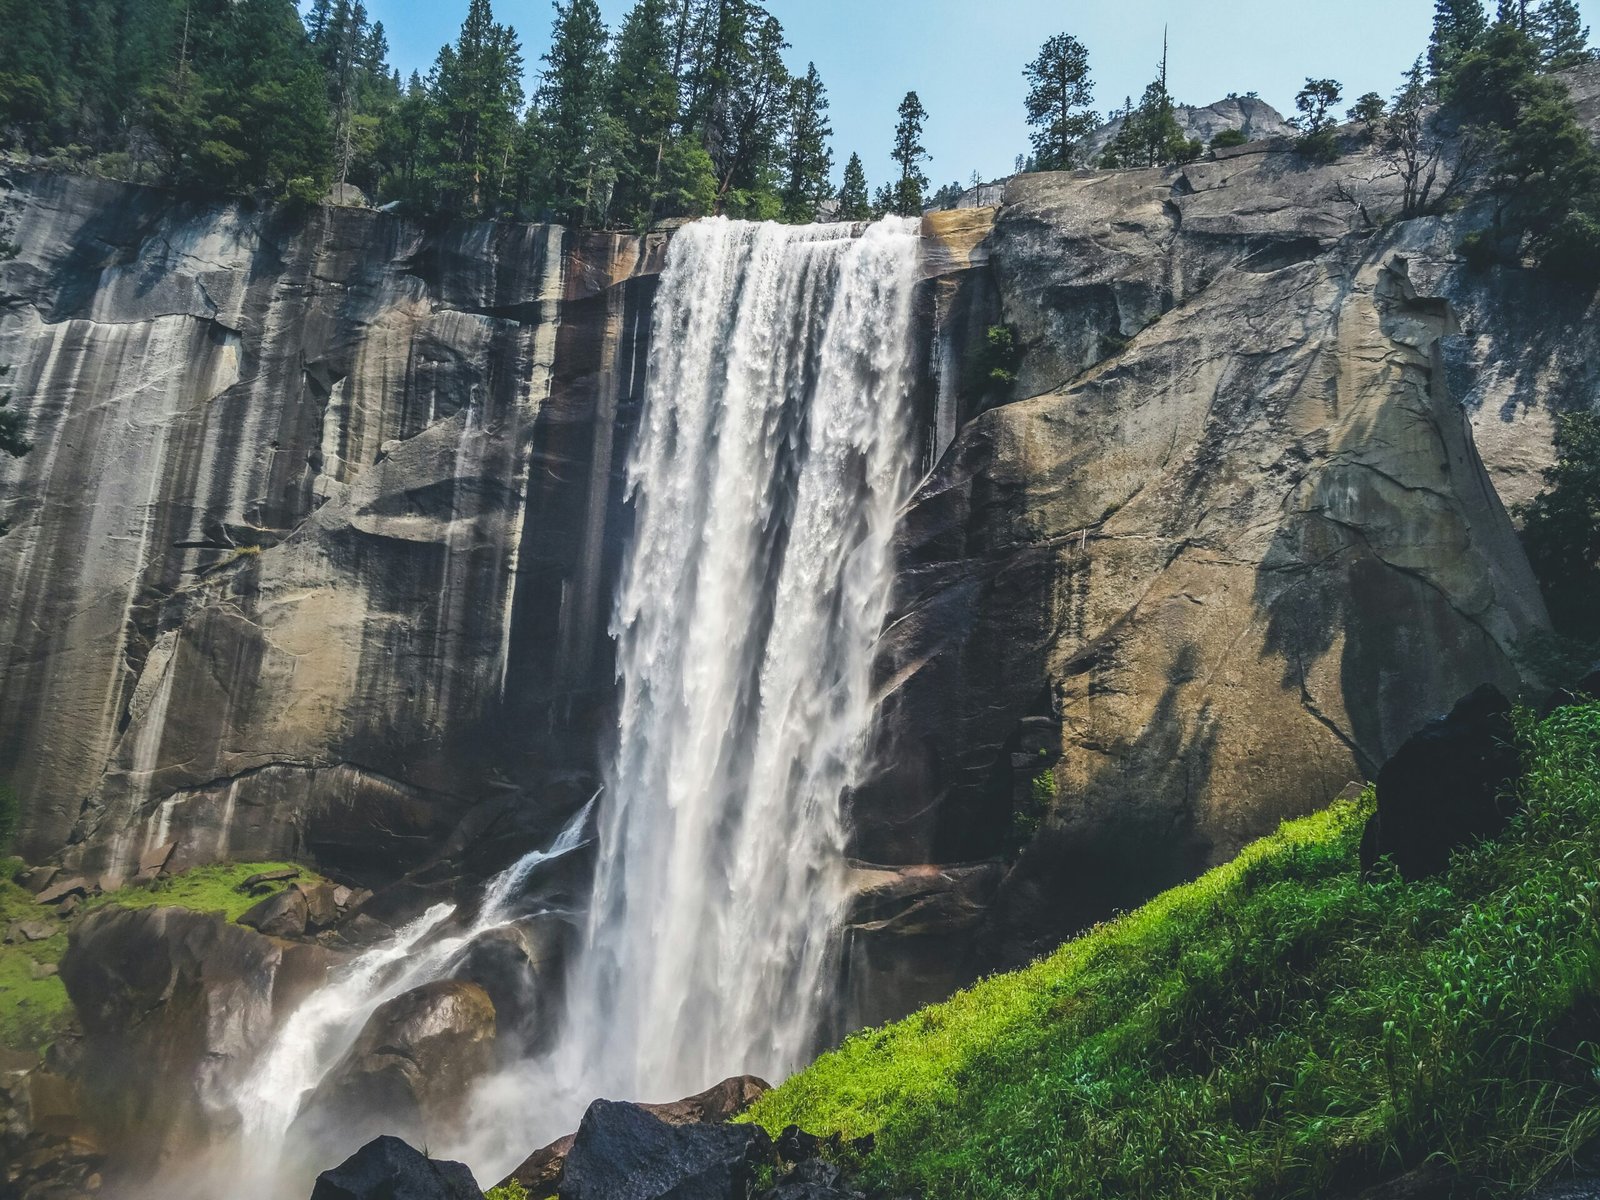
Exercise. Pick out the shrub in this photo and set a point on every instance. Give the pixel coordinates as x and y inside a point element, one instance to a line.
<point>1228,138</point>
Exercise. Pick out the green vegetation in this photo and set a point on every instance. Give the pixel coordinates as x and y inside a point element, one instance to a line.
<point>999,357</point>
<point>1150,135</point>
<point>1278,1028</point>
<point>510,1190</point>
<point>909,154</point>
<point>1229,138</point>
<point>33,1003</point>
<point>1319,135</point>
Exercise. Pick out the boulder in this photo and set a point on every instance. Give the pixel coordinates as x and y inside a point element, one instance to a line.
<point>518,966</point>
<point>282,915</point>
<point>1448,785</point>
<point>623,1150</point>
<point>541,1170</point>
<point>386,1168</point>
<point>173,1004</point>
<point>262,878</point>
<point>408,1072</point>
<point>73,885</point>
<point>813,1179</point>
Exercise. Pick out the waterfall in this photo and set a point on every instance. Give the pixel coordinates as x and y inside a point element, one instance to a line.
<point>769,466</point>
<point>771,460</point>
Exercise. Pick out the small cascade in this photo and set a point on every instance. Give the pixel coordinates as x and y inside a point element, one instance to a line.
<point>318,1033</point>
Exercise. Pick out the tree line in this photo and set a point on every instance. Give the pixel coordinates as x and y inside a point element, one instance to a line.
<point>687,108</point>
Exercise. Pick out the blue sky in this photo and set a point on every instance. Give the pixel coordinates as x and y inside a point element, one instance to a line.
<point>965,59</point>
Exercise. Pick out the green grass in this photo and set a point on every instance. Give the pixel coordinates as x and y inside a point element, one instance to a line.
<point>1278,1028</point>
<point>35,1011</point>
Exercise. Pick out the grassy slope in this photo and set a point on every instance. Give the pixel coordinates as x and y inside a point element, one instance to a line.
<point>32,1011</point>
<point>1278,1028</point>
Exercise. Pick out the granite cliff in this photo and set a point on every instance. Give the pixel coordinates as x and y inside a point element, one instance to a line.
<point>314,553</point>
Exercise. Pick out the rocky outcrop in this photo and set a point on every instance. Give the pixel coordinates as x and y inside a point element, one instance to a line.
<point>623,1150</point>
<point>1449,785</point>
<point>173,1005</point>
<point>1229,544</point>
<point>1253,117</point>
<point>292,479</point>
<point>388,1169</point>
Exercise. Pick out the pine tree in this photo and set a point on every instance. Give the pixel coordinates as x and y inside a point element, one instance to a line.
<point>1562,38</point>
<point>1458,25</point>
<point>1059,93</point>
<point>809,161</point>
<point>910,153</point>
<point>642,99</point>
<point>476,91</point>
<point>855,203</point>
<point>1150,135</point>
<point>581,142</point>
<point>1318,134</point>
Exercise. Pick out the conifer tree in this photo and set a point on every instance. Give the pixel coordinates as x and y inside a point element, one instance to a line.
<point>476,90</point>
<point>808,160</point>
<point>1457,27</point>
<point>855,203</point>
<point>1059,93</point>
<point>643,102</point>
<point>1558,30</point>
<point>909,153</point>
<point>580,140</point>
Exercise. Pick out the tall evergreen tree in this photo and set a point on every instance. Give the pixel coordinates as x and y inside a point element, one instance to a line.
<point>855,204</point>
<point>1150,135</point>
<point>909,154</point>
<point>1059,95</point>
<point>476,90</point>
<point>1457,27</point>
<point>581,142</point>
<point>808,160</point>
<point>642,100</point>
<point>1558,29</point>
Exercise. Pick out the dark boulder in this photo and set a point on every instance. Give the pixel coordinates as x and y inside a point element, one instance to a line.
<point>1447,785</point>
<point>623,1152</point>
<point>386,1168</point>
<point>541,1170</point>
<point>172,1002</point>
<point>519,966</point>
<point>813,1179</point>
<point>408,1072</point>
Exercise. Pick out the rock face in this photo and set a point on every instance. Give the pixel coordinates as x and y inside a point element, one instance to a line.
<point>172,1004</point>
<point>313,555</point>
<point>1230,539</point>
<point>291,480</point>
<point>1254,118</point>
<point>1446,787</point>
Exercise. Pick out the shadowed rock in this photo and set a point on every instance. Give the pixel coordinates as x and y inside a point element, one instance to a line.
<point>1446,787</point>
<point>623,1152</point>
<point>386,1168</point>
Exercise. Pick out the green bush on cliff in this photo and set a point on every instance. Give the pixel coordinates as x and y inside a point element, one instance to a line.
<point>1278,1028</point>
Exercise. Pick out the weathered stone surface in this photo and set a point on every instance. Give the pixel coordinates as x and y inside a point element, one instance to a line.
<point>1254,118</point>
<point>283,914</point>
<point>318,507</point>
<point>541,1171</point>
<point>386,1168</point>
<point>622,1150</point>
<point>408,1073</point>
<point>518,966</point>
<point>1446,787</point>
<point>183,998</point>
<point>1233,542</point>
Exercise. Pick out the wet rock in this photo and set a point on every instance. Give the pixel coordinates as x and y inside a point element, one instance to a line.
<point>386,1168</point>
<point>1447,786</point>
<point>540,1172</point>
<point>518,966</point>
<point>408,1072</point>
<point>282,915</point>
<point>813,1179</point>
<point>623,1150</point>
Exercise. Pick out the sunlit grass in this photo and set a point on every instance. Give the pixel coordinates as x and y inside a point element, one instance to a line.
<point>1278,1028</point>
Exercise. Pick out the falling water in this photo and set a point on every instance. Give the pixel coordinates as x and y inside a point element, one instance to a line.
<point>767,472</point>
<point>318,1033</point>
